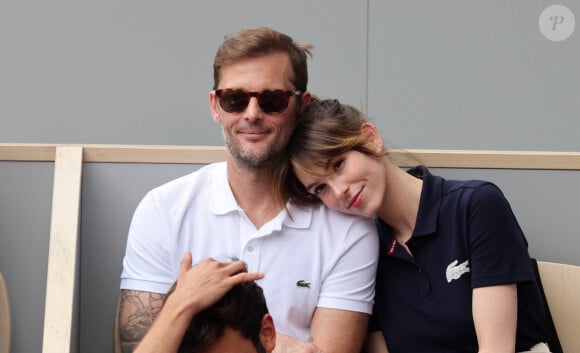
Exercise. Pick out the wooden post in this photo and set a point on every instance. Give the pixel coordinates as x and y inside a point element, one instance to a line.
<point>59,312</point>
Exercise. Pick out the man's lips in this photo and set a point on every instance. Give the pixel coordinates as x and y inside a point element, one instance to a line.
<point>356,200</point>
<point>253,134</point>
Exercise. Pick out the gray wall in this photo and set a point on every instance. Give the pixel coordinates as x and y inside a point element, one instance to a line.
<point>441,75</point>
<point>473,75</point>
<point>25,199</point>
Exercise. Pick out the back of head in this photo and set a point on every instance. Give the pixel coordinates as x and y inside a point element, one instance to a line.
<point>241,309</point>
<point>256,42</point>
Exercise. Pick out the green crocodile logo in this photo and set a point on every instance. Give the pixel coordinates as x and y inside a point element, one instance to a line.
<point>301,283</point>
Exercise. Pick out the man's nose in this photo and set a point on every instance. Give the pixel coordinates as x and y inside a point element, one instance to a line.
<point>253,110</point>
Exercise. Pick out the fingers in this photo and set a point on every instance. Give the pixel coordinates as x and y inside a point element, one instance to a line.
<point>239,272</point>
<point>246,277</point>
<point>185,264</point>
<point>235,271</point>
<point>236,266</point>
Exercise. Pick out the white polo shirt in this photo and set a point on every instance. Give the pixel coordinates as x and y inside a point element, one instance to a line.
<point>321,258</point>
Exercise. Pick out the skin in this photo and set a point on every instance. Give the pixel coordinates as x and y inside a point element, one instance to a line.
<point>253,139</point>
<point>353,187</point>
<point>198,288</point>
<point>137,311</point>
<point>375,343</point>
<point>365,185</point>
<point>233,342</point>
<point>495,318</point>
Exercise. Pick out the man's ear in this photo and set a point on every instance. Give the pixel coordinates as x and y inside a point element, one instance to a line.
<point>373,136</point>
<point>305,101</point>
<point>268,333</point>
<point>213,106</point>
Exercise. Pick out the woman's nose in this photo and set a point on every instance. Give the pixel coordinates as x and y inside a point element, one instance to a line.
<point>338,188</point>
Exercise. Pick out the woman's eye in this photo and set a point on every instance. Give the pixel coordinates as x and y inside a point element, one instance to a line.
<point>319,188</point>
<point>338,164</point>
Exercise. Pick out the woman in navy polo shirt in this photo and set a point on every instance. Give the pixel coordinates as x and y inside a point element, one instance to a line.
<point>454,271</point>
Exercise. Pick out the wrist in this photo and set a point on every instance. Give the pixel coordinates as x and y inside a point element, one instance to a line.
<point>180,308</point>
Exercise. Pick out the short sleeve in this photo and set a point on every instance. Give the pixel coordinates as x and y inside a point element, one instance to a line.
<point>351,283</point>
<point>498,248</point>
<point>147,263</point>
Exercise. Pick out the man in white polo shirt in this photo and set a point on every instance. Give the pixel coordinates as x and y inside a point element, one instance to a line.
<point>319,265</point>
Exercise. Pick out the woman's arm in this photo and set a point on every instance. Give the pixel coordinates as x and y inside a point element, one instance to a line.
<point>495,318</point>
<point>375,343</point>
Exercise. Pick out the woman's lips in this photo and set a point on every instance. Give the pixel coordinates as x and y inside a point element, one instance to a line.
<point>356,200</point>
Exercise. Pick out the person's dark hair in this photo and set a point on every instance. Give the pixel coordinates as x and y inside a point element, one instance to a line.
<point>241,309</point>
<point>256,42</point>
<point>324,131</point>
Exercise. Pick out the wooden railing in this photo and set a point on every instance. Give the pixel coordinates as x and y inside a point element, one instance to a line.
<point>68,161</point>
<point>209,154</point>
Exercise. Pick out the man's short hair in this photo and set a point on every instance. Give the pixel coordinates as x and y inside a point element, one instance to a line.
<point>240,309</point>
<point>256,42</point>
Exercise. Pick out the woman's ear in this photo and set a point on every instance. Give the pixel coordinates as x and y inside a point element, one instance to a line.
<point>268,333</point>
<point>373,136</point>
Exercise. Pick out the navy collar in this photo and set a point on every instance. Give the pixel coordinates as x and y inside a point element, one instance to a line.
<point>429,203</point>
<point>426,222</point>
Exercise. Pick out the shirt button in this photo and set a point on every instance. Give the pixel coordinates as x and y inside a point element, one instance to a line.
<point>250,248</point>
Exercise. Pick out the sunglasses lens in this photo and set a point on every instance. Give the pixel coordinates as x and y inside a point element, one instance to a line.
<point>273,101</point>
<point>234,101</point>
<point>237,100</point>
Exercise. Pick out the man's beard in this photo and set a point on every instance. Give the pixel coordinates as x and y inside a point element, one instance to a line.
<point>249,159</point>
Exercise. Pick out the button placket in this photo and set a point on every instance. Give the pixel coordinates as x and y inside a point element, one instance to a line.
<point>251,254</point>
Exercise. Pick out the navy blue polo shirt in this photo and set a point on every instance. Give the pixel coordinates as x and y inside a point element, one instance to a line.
<point>466,236</point>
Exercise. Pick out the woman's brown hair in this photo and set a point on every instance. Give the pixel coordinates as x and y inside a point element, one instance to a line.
<point>324,131</point>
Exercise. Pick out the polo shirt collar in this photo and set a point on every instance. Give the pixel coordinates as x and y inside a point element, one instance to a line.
<point>429,203</point>
<point>301,216</point>
<point>224,202</point>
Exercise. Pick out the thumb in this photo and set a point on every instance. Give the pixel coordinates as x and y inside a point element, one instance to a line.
<point>185,264</point>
